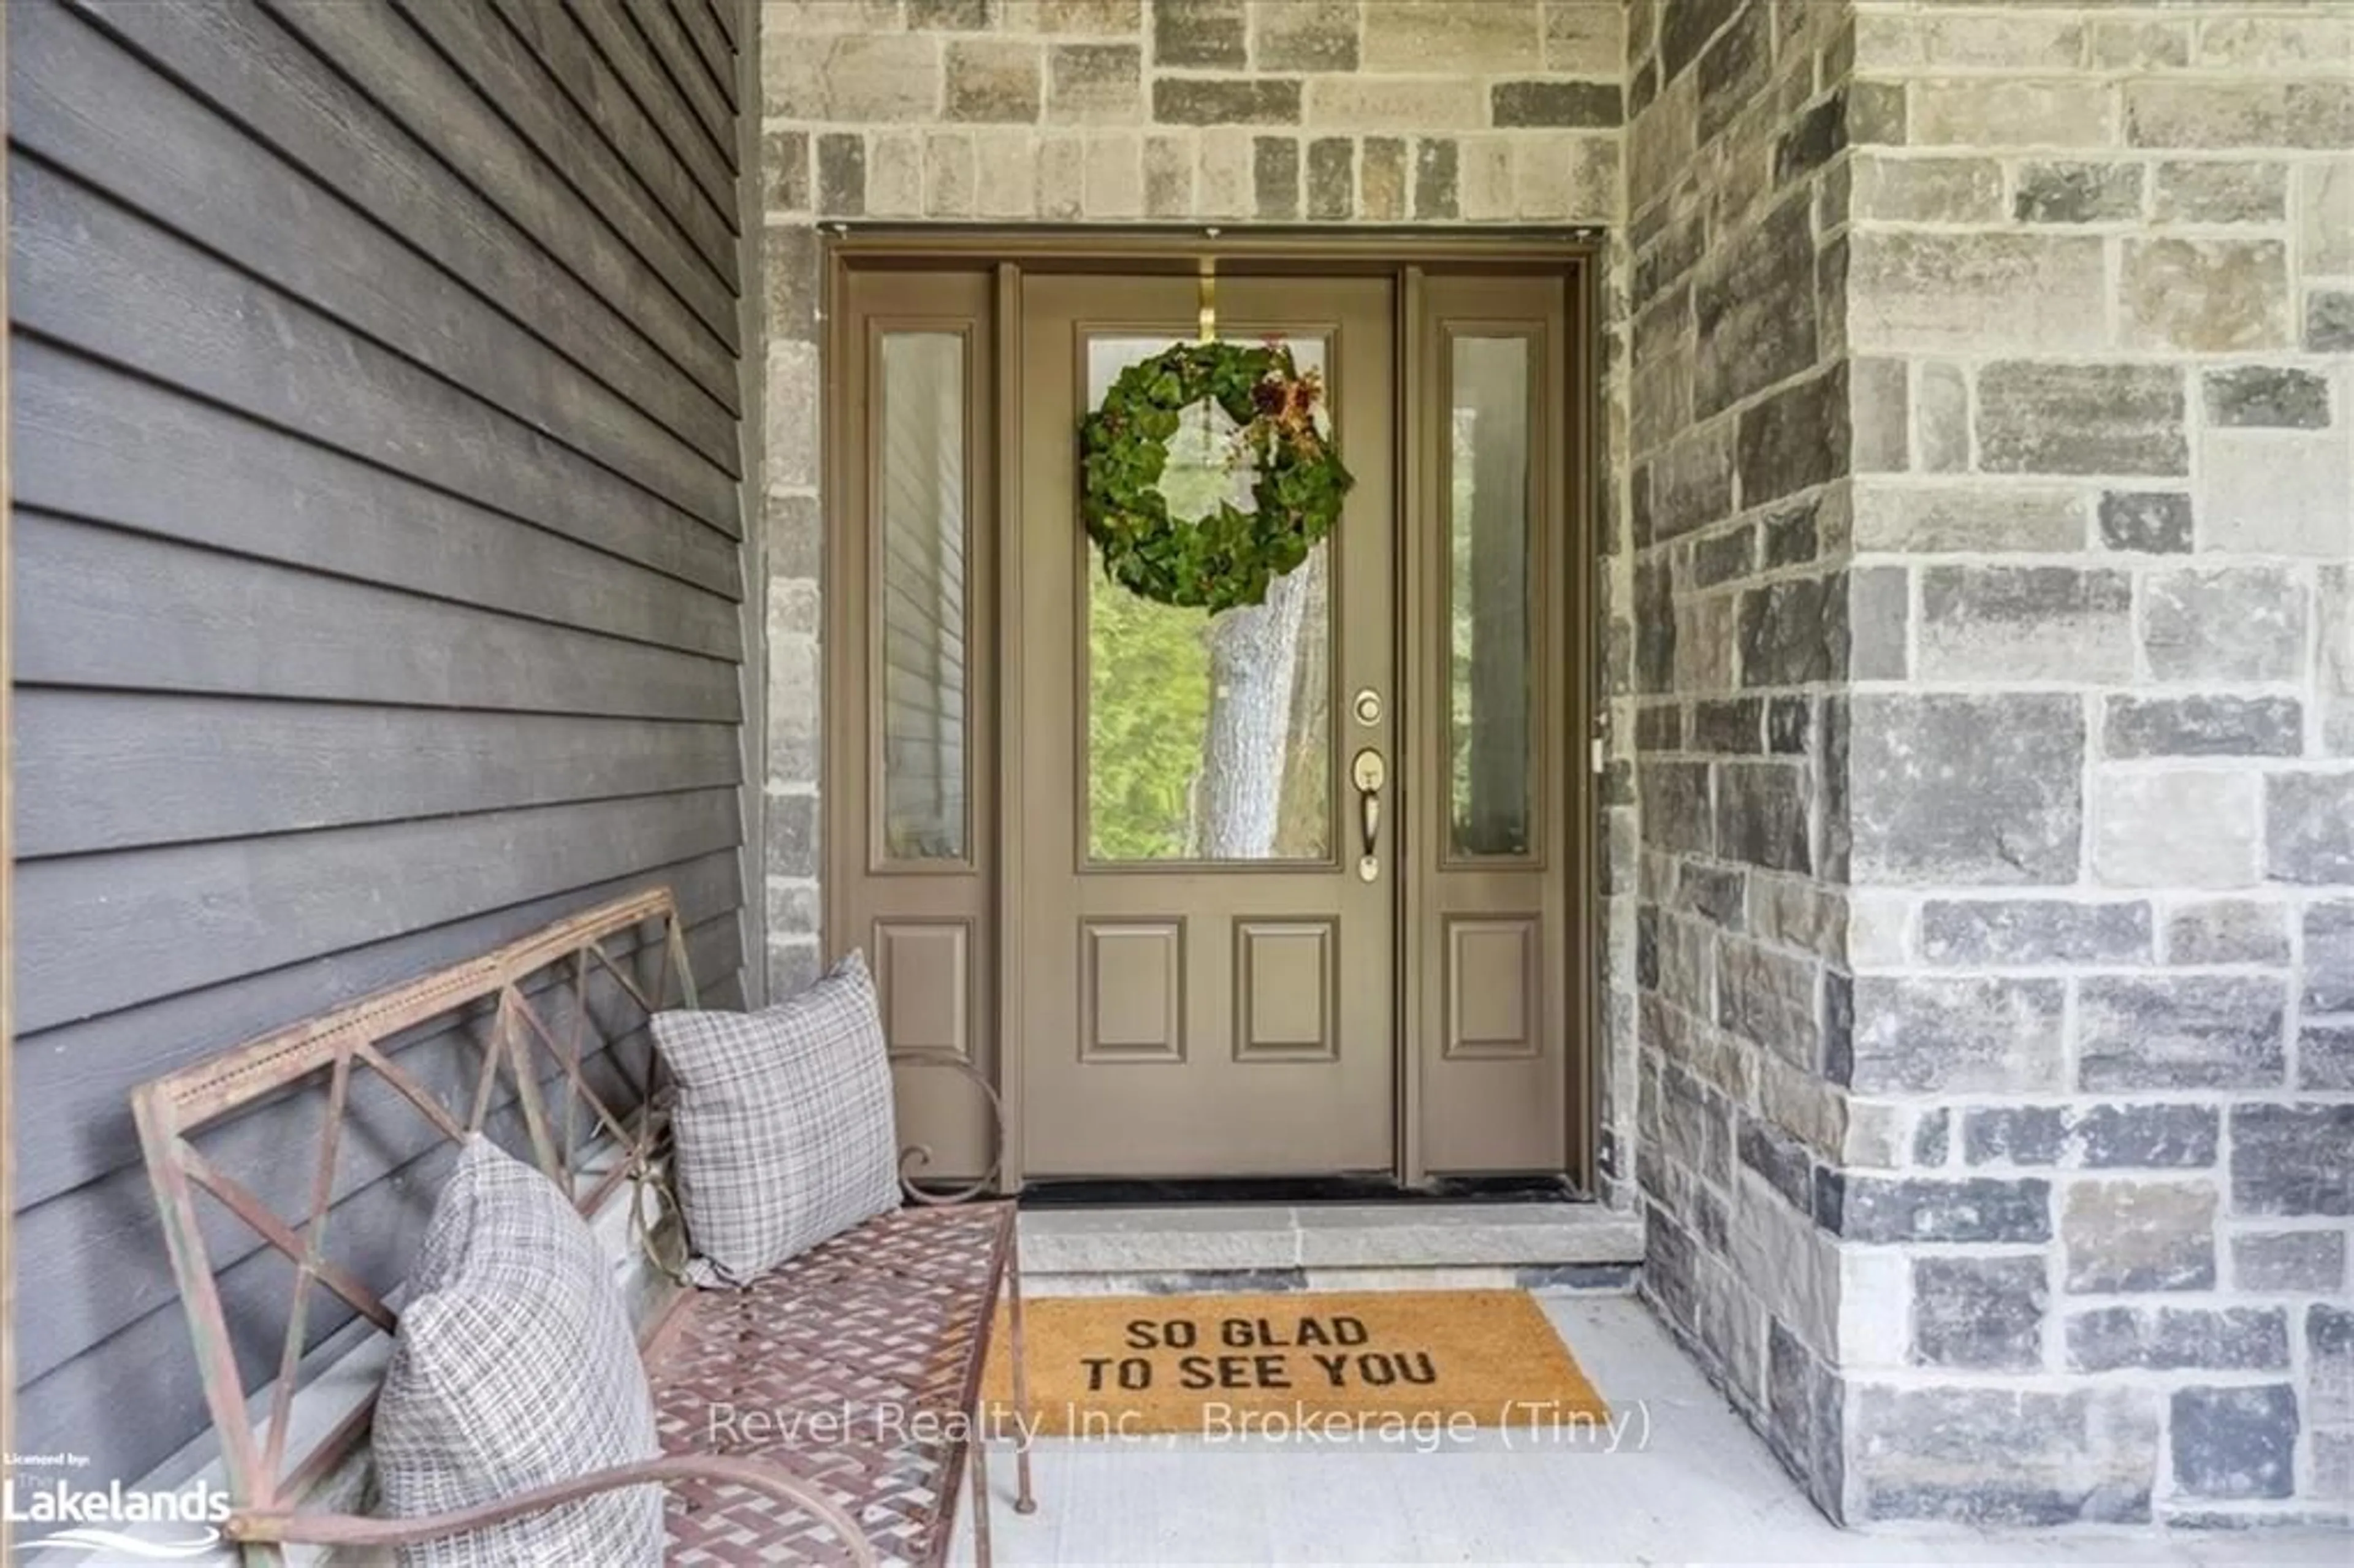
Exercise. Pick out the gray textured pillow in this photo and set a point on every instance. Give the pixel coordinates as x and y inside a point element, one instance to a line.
<point>784,1124</point>
<point>515,1367</point>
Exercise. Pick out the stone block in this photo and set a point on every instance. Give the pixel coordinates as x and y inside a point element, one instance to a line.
<point>1704,645</point>
<point>2325,1057</point>
<point>2146,522</point>
<point>2330,1362</point>
<point>2329,321</point>
<point>2276,492</point>
<point>2334,674</point>
<point>2036,417</point>
<point>1484,182</point>
<point>1113,182</point>
<point>1926,190</point>
<point>1936,519</point>
<point>1880,612</point>
<point>2026,623</point>
<point>1803,1421</point>
<point>2206,296</point>
<point>1979,1314</point>
<point>949,178</point>
<point>1168,178</point>
<point>2075,192</point>
<point>1373,103</point>
<point>1435,179</point>
<point>2330,958</point>
<point>841,174</point>
<point>2293,1159</point>
<point>2129,1237</point>
<point>1941,419</point>
<point>2093,1137</point>
<point>1094,83</point>
<point>1956,292</point>
<point>1797,437</point>
<point>1677,813</point>
<point>1305,35</point>
<point>1685,29</point>
<point>2205,193</point>
<point>2325,205</point>
<point>853,78</point>
<point>1225,101</point>
<point>2233,1444</point>
<point>1957,1036</point>
<point>1584,38</point>
<point>1543,104</point>
<point>1879,414</point>
<point>2179,1338</point>
<point>1382,180</point>
<point>2264,395</point>
<point>2308,1262</point>
<point>1442,37</point>
<point>2181,1032</point>
<point>1084,17</point>
<point>2247,112</point>
<point>1794,633</point>
<point>2253,42</point>
<point>2224,623</point>
<point>1996,111</point>
<point>1062,175</point>
<point>2227,931</point>
<point>1963,789</point>
<point>1691,485</point>
<point>1275,177</point>
<point>1781,1161</point>
<point>1993,1458</point>
<point>1331,179</point>
<point>2309,828</point>
<point>1754,304</point>
<point>1995,932</point>
<point>1200,34</point>
<point>2139,44</point>
<point>2203,727</point>
<point>992,80</point>
<point>895,174</point>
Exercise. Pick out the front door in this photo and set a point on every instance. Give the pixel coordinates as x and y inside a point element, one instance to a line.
<point>1207,834</point>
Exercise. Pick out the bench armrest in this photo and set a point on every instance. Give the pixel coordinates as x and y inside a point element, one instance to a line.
<point>916,1156</point>
<point>291,1527</point>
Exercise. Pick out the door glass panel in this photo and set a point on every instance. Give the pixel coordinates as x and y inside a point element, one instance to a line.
<point>1208,737</point>
<point>1490,576</point>
<point>921,483</point>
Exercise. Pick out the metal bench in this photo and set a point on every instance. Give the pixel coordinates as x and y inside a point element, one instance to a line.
<point>827,1413</point>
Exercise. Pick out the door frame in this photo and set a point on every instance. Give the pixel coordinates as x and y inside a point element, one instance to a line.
<point>1577,438</point>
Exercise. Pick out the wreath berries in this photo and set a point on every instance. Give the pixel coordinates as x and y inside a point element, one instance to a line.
<point>1229,555</point>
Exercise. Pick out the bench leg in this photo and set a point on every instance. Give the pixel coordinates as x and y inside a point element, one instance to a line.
<point>1022,1502</point>
<point>978,1453</point>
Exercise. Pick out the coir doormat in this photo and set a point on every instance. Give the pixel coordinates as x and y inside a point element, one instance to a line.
<point>1119,1366</point>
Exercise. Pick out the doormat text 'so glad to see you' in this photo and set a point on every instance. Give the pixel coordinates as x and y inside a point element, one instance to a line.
<point>1129,1365</point>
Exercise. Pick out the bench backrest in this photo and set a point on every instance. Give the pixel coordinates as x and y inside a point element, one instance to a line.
<point>540,1010</point>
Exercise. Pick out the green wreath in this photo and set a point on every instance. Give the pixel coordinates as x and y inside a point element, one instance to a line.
<point>1229,555</point>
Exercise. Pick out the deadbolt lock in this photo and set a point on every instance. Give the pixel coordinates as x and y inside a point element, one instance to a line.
<point>1368,707</point>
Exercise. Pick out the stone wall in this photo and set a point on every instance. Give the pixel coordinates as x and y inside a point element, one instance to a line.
<point>1429,112</point>
<point>1739,436</point>
<point>2101,787</point>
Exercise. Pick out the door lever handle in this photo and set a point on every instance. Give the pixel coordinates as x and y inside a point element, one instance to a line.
<point>1370,773</point>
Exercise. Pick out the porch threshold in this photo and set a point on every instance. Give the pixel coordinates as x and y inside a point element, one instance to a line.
<point>1310,1244</point>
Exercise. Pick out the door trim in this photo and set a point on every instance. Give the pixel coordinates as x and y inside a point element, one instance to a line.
<point>1406,255</point>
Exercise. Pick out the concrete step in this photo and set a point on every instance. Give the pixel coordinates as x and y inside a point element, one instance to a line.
<point>1320,1246</point>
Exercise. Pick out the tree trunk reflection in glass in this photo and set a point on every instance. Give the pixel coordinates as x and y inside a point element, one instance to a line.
<point>1208,737</point>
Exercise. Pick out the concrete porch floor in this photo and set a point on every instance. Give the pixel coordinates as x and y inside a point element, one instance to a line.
<point>1689,1483</point>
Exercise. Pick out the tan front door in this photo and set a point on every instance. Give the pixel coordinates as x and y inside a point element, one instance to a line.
<point>1208,896</point>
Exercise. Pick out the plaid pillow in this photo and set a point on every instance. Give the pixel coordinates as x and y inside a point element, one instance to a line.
<point>515,1367</point>
<point>784,1124</point>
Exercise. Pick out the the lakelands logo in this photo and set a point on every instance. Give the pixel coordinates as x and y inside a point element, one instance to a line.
<point>113,1521</point>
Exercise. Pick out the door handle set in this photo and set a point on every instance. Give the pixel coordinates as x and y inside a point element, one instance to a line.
<point>1369,772</point>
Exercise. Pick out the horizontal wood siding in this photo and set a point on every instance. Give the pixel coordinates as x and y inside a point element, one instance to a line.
<point>379,580</point>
